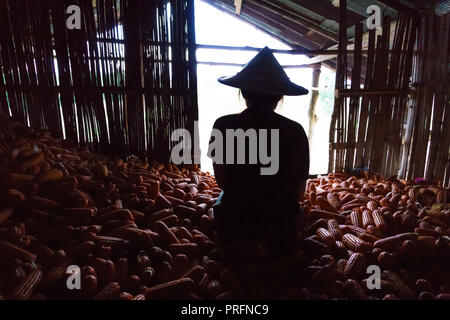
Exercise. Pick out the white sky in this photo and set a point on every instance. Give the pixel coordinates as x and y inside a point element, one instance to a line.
<point>218,28</point>
<point>215,27</point>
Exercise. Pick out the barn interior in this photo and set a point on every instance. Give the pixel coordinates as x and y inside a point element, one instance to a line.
<point>91,93</point>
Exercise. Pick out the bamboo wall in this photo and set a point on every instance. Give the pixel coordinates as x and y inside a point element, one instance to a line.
<point>118,85</point>
<point>396,121</point>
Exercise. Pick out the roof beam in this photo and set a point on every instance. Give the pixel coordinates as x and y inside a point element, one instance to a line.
<point>327,10</point>
<point>225,8</point>
<point>284,51</point>
<point>351,46</point>
<point>238,5</point>
<point>304,35</point>
<point>297,18</point>
<point>398,6</point>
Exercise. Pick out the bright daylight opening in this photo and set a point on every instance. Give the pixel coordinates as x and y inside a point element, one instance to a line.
<point>215,27</point>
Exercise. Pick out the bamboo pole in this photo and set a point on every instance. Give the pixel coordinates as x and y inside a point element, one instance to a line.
<point>313,102</point>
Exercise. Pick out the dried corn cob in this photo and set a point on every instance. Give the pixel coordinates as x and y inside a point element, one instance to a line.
<point>19,177</point>
<point>356,244</point>
<point>324,204</point>
<point>402,289</point>
<point>317,214</point>
<point>170,289</point>
<point>356,219</point>
<point>8,249</point>
<point>355,290</point>
<point>5,214</point>
<point>51,175</point>
<point>367,218</point>
<point>333,227</point>
<point>110,291</point>
<point>355,265</point>
<point>380,223</point>
<point>325,236</point>
<point>27,286</point>
<point>392,241</point>
<point>333,199</point>
<point>372,205</point>
<point>31,161</point>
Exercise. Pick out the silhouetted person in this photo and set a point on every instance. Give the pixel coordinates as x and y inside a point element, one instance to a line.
<point>253,205</point>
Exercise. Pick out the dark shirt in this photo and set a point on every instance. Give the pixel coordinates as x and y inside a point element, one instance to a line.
<point>245,190</point>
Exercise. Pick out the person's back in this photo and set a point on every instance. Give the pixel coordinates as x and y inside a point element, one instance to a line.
<point>260,158</point>
<point>256,202</point>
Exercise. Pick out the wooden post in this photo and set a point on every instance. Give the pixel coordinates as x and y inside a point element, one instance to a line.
<point>354,101</point>
<point>313,102</point>
<point>193,100</point>
<point>336,125</point>
<point>133,74</point>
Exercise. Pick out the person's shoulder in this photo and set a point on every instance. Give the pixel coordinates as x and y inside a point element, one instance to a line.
<point>224,120</point>
<point>288,123</point>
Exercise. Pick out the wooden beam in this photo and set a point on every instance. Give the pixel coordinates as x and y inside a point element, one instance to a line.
<point>313,102</point>
<point>398,6</point>
<point>285,37</point>
<point>284,51</point>
<point>231,64</point>
<point>362,92</point>
<point>297,19</point>
<point>350,47</point>
<point>327,10</point>
<point>238,5</point>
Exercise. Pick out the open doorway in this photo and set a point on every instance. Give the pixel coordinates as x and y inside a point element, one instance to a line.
<point>213,27</point>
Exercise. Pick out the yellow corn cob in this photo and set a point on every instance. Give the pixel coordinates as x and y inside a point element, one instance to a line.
<point>380,223</point>
<point>317,214</point>
<point>333,227</point>
<point>413,194</point>
<point>5,214</point>
<point>26,153</point>
<point>347,198</point>
<point>341,265</point>
<point>324,204</point>
<point>171,289</point>
<point>57,273</point>
<point>367,219</point>
<point>401,288</point>
<point>325,236</point>
<point>354,290</point>
<point>355,265</point>
<point>368,237</point>
<point>102,170</point>
<point>8,249</point>
<point>348,228</point>
<point>441,196</point>
<point>333,199</point>
<point>392,241</point>
<point>32,161</point>
<point>51,175</point>
<point>110,291</point>
<point>372,205</point>
<point>356,219</point>
<point>362,198</point>
<point>340,247</point>
<point>19,177</point>
<point>26,287</point>
<point>356,244</point>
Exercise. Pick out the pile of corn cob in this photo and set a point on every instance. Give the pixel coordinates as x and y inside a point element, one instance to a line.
<point>401,227</point>
<point>145,231</point>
